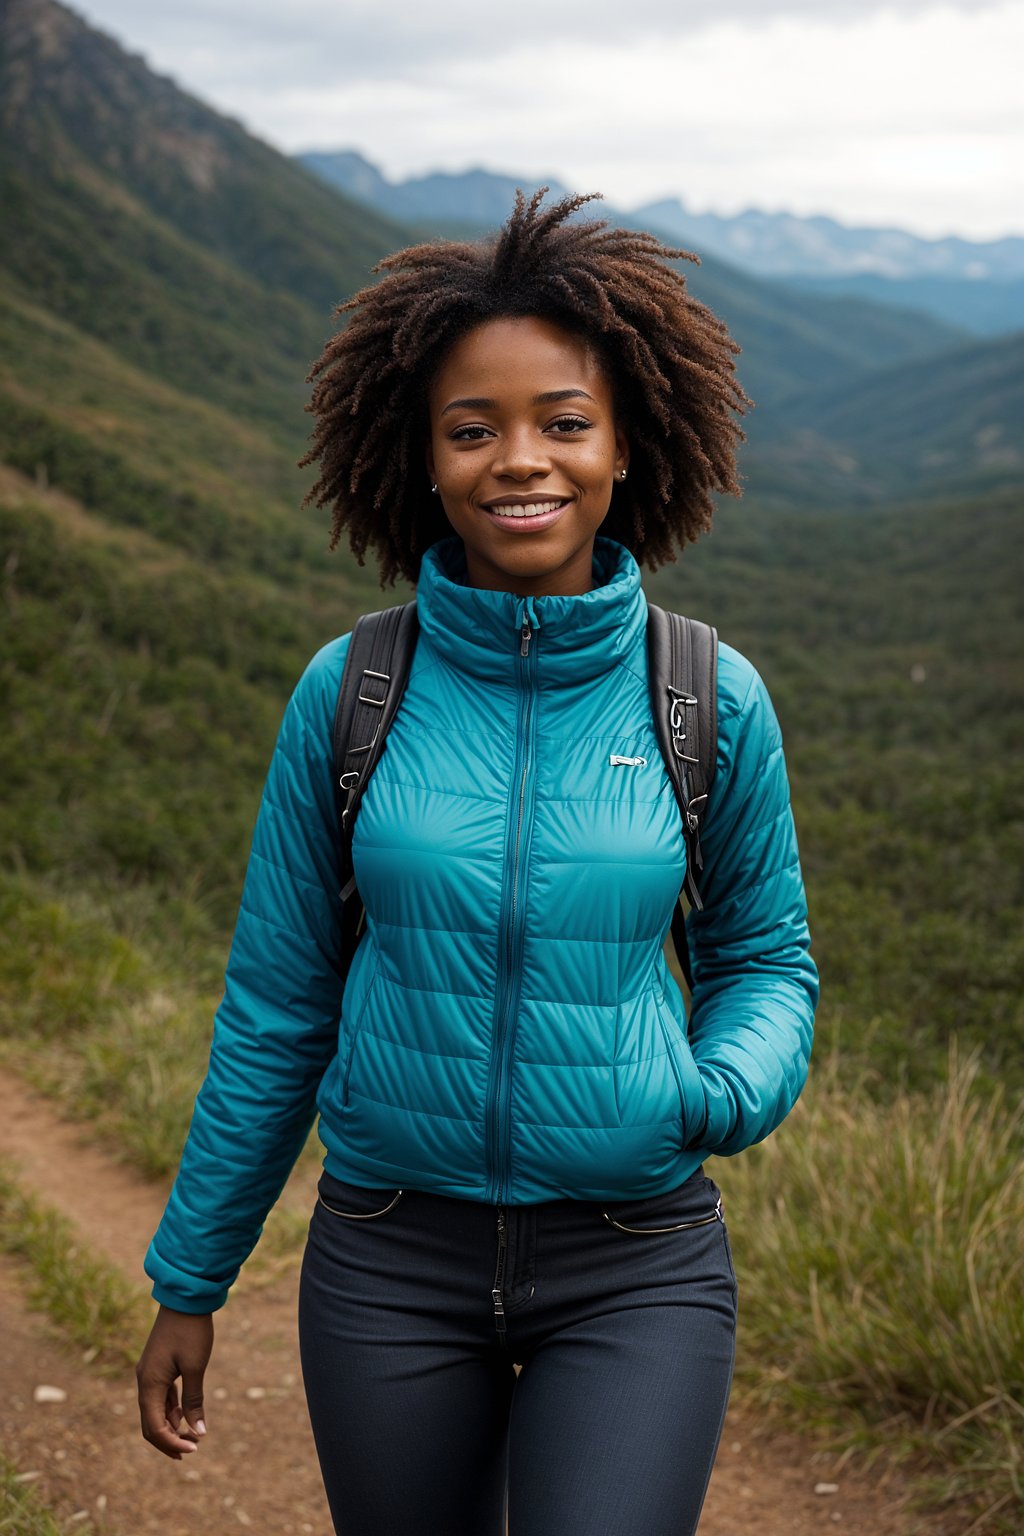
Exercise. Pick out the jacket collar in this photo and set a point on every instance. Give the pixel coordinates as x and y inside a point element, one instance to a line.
<point>577,638</point>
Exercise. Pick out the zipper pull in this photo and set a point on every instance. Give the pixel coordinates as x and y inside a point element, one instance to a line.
<point>527,625</point>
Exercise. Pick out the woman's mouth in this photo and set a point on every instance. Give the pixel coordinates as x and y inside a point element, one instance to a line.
<point>523,517</point>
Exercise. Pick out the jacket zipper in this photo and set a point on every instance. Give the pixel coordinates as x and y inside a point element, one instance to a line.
<point>510,956</point>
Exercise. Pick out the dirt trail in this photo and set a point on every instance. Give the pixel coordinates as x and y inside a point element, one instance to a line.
<point>257,1470</point>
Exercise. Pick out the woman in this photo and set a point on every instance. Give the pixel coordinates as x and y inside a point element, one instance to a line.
<point>514,1107</point>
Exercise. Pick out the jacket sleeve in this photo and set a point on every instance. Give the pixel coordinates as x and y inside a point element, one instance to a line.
<point>755,986</point>
<point>276,1029</point>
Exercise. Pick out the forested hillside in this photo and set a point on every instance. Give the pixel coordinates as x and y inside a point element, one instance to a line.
<point>944,425</point>
<point>148,221</point>
<point>892,645</point>
<point>164,282</point>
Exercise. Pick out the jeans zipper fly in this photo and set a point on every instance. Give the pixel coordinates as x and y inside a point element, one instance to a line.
<point>497,1291</point>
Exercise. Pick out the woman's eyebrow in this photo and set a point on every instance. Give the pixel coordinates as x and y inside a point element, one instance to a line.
<point>485,403</point>
<point>470,403</point>
<point>554,395</point>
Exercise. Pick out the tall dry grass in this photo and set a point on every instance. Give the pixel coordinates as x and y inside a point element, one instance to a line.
<point>880,1248</point>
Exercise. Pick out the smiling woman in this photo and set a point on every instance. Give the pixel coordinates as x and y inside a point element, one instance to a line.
<point>525,482</point>
<point>514,1105</point>
<point>666,358</point>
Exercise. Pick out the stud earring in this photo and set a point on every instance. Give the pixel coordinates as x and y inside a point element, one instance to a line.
<point>433,490</point>
<point>622,474</point>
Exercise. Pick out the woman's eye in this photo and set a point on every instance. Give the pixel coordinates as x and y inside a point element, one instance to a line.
<point>468,434</point>
<point>564,426</point>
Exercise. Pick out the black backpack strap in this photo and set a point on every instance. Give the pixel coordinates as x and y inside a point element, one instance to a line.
<point>683,671</point>
<point>373,681</point>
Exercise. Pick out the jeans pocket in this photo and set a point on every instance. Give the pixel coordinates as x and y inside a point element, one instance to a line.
<point>694,1203</point>
<point>355,1202</point>
<point>714,1189</point>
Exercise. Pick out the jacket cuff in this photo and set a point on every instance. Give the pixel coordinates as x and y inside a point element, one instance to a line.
<point>183,1292</point>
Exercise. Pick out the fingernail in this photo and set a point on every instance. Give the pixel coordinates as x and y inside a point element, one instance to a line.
<point>200,1427</point>
<point>190,1447</point>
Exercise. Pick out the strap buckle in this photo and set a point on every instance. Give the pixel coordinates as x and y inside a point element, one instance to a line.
<point>693,811</point>
<point>677,721</point>
<point>365,698</point>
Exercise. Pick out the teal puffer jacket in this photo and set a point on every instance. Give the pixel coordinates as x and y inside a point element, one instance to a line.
<point>509,1031</point>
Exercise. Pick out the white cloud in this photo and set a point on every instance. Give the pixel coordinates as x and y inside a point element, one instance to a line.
<point>907,114</point>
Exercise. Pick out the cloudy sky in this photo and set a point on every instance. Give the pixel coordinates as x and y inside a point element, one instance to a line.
<point>905,113</point>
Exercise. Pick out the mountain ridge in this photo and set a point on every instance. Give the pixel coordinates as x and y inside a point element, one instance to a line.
<point>791,343</point>
<point>204,258</point>
<point>974,284</point>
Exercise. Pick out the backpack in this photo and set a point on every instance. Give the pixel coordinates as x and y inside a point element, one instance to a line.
<point>683,669</point>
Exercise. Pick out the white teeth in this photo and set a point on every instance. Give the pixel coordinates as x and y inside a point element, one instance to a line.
<point>518,511</point>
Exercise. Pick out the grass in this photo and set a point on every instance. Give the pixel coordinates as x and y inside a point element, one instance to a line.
<point>879,1237</point>
<point>880,1247</point>
<point>90,1301</point>
<point>22,1513</point>
<point>96,1021</point>
<point>103,1022</point>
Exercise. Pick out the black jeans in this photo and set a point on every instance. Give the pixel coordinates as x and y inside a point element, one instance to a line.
<point>624,1329</point>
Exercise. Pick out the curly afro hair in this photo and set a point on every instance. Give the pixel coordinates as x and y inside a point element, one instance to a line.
<point>670,362</point>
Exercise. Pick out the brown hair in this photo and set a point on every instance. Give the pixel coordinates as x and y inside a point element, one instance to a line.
<point>669,358</point>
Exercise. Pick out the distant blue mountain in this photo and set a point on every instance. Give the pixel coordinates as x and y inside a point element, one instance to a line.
<point>476,197</point>
<point>785,245</point>
<point>978,286</point>
<point>975,284</point>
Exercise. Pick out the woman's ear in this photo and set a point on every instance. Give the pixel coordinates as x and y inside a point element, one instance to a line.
<point>429,460</point>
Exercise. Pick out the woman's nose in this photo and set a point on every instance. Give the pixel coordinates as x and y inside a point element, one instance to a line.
<point>520,455</point>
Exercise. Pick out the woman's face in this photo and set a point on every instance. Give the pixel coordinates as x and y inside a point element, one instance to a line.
<point>525,450</point>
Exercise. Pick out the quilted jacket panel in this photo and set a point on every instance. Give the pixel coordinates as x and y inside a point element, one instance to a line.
<point>509,1030</point>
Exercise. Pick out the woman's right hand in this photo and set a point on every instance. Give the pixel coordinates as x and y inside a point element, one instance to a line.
<point>179,1344</point>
